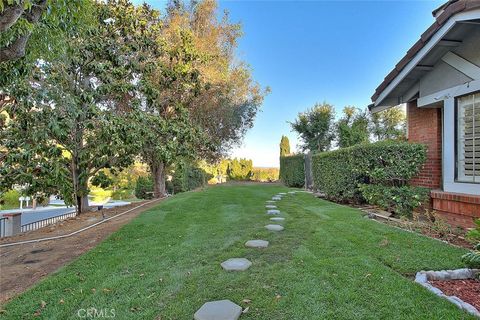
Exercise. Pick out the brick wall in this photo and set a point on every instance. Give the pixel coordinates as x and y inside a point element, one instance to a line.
<point>425,126</point>
<point>456,208</point>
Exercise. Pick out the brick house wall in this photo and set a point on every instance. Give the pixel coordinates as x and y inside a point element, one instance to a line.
<point>425,126</point>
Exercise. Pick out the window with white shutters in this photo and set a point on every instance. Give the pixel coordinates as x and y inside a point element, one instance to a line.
<point>468,138</point>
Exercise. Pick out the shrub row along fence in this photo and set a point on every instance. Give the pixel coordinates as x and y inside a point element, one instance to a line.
<point>376,173</point>
<point>292,170</point>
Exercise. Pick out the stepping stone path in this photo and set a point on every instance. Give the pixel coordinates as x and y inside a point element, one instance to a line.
<point>282,193</point>
<point>256,244</point>
<point>270,201</point>
<point>269,206</point>
<point>273,211</point>
<point>236,264</point>
<point>218,310</point>
<point>274,227</point>
<point>277,219</point>
<point>276,198</point>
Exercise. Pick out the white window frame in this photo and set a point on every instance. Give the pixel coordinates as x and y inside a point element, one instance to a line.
<point>460,175</point>
<point>449,147</point>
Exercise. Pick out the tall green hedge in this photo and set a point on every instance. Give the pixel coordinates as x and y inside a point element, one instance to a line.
<point>292,170</point>
<point>343,174</point>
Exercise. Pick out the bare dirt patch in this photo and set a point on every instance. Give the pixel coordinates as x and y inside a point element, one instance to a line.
<point>21,266</point>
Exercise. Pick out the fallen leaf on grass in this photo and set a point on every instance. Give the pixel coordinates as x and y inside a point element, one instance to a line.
<point>246,300</point>
<point>245,310</point>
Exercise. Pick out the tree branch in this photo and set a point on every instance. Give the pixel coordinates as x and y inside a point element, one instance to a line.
<point>10,15</point>
<point>17,49</point>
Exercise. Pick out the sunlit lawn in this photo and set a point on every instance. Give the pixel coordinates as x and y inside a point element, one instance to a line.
<point>329,263</point>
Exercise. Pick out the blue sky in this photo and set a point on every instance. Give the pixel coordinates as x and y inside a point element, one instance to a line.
<point>315,51</point>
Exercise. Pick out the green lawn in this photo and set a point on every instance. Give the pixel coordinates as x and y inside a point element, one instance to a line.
<point>329,263</point>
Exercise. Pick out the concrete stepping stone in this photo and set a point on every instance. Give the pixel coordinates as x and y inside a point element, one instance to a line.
<point>276,198</point>
<point>277,219</point>
<point>270,201</point>
<point>218,310</point>
<point>274,227</point>
<point>282,193</point>
<point>236,264</point>
<point>269,206</point>
<point>256,243</point>
<point>292,192</point>
<point>273,211</point>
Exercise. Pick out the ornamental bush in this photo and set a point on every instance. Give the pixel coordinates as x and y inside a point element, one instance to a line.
<point>377,172</point>
<point>188,177</point>
<point>401,200</point>
<point>144,188</point>
<point>292,170</point>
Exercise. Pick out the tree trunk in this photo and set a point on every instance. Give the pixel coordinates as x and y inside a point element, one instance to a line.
<point>158,174</point>
<point>80,188</point>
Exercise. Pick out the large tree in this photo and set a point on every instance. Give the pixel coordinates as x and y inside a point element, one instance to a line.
<point>316,127</point>
<point>389,124</point>
<point>194,82</point>
<point>72,117</point>
<point>352,127</point>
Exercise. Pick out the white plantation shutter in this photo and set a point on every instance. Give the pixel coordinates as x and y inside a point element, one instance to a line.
<point>468,152</point>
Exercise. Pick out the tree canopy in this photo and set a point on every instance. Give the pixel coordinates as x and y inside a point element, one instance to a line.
<point>122,82</point>
<point>316,127</point>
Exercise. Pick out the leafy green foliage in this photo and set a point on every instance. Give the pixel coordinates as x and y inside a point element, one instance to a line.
<point>474,234</point>
<point>188,176</point>
<point>240,169</point>
<point>472,258</point>
<point>9,199</point>
<point>70,118</point>
<point>265,174</point>
<point>316,127</point>
<point>339,173</point>
<point>144,188</point>
<point>389,124</point>
<point>401,200</point>
<point>284,146</point>
<point>352,128</point>
<point>292,170</point>
<point>101,180</point>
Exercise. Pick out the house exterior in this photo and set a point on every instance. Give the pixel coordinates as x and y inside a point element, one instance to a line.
<point>439,81</point>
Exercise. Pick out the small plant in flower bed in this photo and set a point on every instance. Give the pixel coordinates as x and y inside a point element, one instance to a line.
<point>432,225</point>
<point>472,259</point>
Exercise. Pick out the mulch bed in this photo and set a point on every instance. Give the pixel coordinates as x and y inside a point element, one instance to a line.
<point>468,290</point>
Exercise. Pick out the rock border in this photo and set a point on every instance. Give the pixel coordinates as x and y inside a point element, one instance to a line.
<point>423,277</point>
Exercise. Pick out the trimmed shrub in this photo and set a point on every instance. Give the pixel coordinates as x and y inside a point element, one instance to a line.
<point>345,175</point>
<point>401,200</point>
<point>292,170</point>
<point>144,188</point>
<point>188,177</point>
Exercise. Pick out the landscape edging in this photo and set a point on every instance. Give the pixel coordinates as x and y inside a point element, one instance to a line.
<point>423,277</point>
